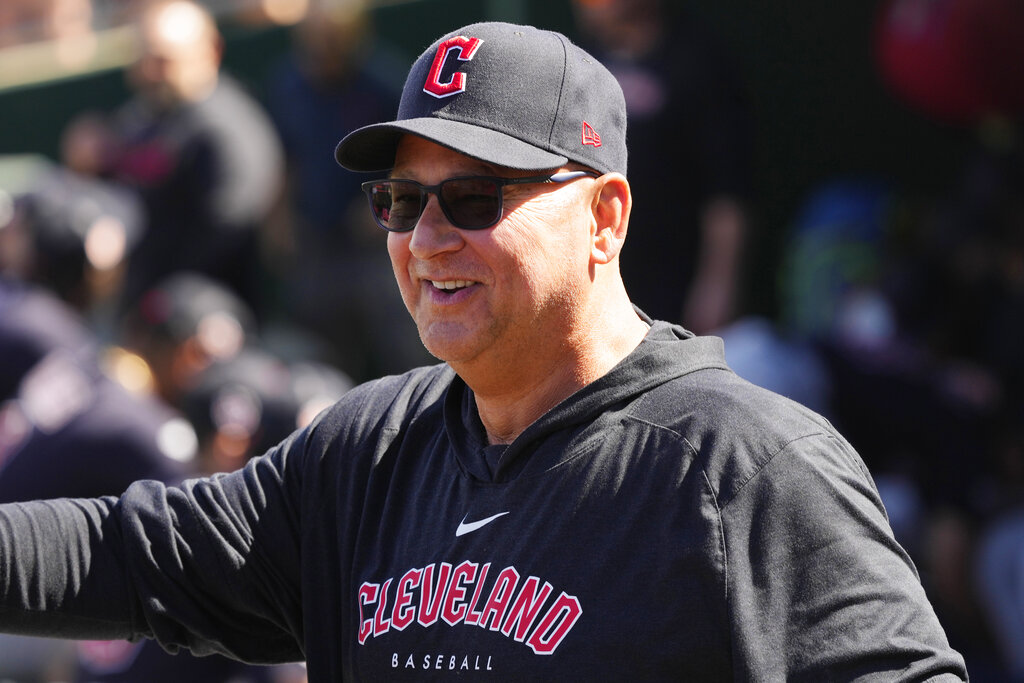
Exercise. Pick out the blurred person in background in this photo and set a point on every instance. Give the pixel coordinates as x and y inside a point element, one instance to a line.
<point>69,429</point>
<point>12,22</point>
<point>70,234</point>
<point>337,77</point>
<point>243,406</point>
<point>199,150</point>
<point>31,21</point>
<point>685,104</point>
<point>181,326</point>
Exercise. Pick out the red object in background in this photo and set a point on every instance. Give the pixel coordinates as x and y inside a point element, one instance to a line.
<point>958,60</point>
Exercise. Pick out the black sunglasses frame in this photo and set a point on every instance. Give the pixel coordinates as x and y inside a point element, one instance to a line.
<point>499,182</point>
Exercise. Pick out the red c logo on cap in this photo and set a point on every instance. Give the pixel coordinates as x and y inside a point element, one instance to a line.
<point>464,48</point>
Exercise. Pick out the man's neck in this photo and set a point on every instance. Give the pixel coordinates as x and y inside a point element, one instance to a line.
<point>511,395</point>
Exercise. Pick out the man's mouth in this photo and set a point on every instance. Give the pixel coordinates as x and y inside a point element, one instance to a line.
<point>451,285</point>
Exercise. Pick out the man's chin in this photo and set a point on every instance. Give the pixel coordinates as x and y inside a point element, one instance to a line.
<point>160,98</point>
<point>450,342</point>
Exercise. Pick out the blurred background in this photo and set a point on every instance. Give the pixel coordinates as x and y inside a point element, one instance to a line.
<point>837,189</point>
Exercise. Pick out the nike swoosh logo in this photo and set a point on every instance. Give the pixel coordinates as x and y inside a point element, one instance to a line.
<point>465,528</point>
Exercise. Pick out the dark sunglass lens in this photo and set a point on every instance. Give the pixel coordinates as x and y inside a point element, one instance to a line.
<point>472,203</point>
<point>396,205</point>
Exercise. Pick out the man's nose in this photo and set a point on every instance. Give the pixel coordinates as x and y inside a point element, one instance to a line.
<point>434,233</point>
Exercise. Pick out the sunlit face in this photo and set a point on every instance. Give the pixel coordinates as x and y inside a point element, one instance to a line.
<point>179,57</point>
<point>503,294</point>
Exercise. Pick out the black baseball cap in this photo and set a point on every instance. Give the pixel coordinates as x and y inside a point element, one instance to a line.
<point>179,306</point>
<point>514,96</point>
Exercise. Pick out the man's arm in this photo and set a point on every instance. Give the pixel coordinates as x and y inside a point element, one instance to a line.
<point>64,555</point>
<point>209,566</point>
<point>818,587</point>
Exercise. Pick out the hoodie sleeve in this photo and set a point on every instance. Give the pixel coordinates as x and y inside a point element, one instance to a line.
<point>818,588</point>
<point>191,566</point>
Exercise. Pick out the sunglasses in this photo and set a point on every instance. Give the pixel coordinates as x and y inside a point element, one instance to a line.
<point>469,202</point>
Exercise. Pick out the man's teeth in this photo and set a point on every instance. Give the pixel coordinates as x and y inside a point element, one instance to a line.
<point>451,284</point>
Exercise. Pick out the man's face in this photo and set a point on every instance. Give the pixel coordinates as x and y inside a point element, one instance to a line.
<point>179,57</point>
<point>504,294</point>
<point>17,255</point>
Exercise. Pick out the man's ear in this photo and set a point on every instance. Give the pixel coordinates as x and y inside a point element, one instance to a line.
<point>611,205</point>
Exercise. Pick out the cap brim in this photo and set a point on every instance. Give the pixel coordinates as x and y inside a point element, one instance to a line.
<point>372,148</point>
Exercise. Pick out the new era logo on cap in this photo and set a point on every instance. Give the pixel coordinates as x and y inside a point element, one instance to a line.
<point>514,96</point>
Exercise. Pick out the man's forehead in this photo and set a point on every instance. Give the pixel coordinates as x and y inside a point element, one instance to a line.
<point>175,28</point>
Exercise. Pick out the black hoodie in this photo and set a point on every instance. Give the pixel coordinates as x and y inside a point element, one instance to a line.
<point>669,521</point>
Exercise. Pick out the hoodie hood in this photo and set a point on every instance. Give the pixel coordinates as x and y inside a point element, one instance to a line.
<point>666,353</point>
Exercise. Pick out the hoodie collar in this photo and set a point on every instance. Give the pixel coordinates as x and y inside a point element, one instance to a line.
<point>666,352</point>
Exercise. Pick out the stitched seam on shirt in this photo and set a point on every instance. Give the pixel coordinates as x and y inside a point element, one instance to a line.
<point>721,537</point>
<point>644,421</point>
<point>695,453</point>
<point>763,464</point>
